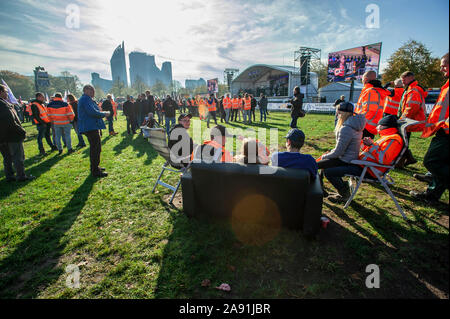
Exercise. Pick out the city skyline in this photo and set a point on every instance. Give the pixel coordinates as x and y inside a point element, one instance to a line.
<point>203,39</point>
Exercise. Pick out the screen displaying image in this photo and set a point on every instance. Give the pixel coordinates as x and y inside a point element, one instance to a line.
<point>213,86</point>
<point>352,63</point>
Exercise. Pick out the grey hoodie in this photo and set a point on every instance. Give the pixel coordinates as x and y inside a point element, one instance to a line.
<point>348,139</point>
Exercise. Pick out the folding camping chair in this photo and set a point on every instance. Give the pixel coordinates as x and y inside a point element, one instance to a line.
<point>157,138</point>
<point>384,178</point>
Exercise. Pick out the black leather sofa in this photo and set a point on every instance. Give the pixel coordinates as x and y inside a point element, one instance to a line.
<point>213,191</point>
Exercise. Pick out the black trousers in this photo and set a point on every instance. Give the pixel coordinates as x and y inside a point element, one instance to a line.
<point>131,124</point>
<point>328,163</point>
<point>95,144</point>
<point>13,154</point>
<point>436,161</point>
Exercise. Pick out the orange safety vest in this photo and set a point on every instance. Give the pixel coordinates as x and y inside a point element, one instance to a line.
<point>439,114</point>
<point>235,103</point>
<point>225,155</point>
<point>211,106</point>
<point>114,105</point>
<point>28,109</point>
<point>413,106</point>
<point>392,102</point>
<point>371,103</point>
<point>42,113</point>
<point>247,104</point>
<point>226,103</point>
<point>241,100</point>
<point>61,115</point>
<point>384,151</point>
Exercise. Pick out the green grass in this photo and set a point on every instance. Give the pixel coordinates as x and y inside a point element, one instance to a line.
<point>129,243</point>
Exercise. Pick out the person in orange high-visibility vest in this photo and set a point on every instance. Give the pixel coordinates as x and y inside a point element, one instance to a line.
<point>202,110</point>
<point>61,115</point>
<point>412,106</point>
<point>227,107</point>
<point>371,102</point>
<point>241,107</point>
<point>114,105</point>
<point>247,108</point>
<point>234,108</point>
<point>383,151</point>
<point>214,150</point>
<point>211,103</point>
<point>436,159</point>
<point>42,121</point>
<point>393,100</point>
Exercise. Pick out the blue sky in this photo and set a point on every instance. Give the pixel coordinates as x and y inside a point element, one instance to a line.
<point>202,38</point>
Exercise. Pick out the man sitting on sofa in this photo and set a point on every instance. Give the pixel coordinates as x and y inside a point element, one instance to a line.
<point>293,158</point>
<point>180,143</point>
<point>214,150</point>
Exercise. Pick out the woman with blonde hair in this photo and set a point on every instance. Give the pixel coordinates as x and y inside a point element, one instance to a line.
<point>348,131</point>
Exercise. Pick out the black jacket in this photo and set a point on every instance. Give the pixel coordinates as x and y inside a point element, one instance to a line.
<point>151,104</point>
<point>128,108</point>
<point>184,136</point>
<point>107,106</point>
<point>263,103</point>
<point>169,107</point>
<point>11,130</point>
<point>297,105</point>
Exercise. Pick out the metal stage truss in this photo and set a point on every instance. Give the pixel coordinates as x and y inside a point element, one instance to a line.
<point>306,59</point>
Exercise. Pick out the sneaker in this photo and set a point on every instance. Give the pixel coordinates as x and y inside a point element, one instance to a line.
<point>427,178</point>
<point>81,145</point>
<point>54,148</point>
<point>42,153</point>
<point>102,168</point>
<point>410,161</point>
<point>70,151</point>
<point>60,152</point>
<point>424,196</point>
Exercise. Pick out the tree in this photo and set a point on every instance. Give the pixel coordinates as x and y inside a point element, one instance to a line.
<point>223,89</point>
<point>99,93</point>
<point>118,88</point>
<point>159,89</point>
<point>415,57</point>
<point>322,73</point>
<point>139,86</point>
<point>20,85</point>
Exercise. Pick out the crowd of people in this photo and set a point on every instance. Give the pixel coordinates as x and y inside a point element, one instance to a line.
<point>377,112</point>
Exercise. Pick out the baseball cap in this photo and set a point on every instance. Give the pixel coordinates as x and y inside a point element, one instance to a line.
<point>345,107</point>
<point>296,135</point>
<point>183,115</point>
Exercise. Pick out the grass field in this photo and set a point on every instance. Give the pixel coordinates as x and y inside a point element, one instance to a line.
<point>129,243</point>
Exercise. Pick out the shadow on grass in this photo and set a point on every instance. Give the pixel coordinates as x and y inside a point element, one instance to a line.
<point>139,145</point>
<point>289,266</point>
<point>30,268</point>
<point>417,254</point>
<point>7,189</point>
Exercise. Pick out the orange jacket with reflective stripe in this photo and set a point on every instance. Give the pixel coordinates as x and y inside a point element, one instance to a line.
<point>384,151</point>
<point>438,117</point>
<point>371,104</point>
<point>247,103</point>
<point>226,103</point>
<point>226,156</point>
<point>412,106</point>
<point>211,105</point>
<point>42,113</point>
<point>60,112</point>
<point>114,105</point>
<point>235,103</point>
<point>392,102</point>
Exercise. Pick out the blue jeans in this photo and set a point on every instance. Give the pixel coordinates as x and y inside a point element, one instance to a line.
<point>80,136</point>
<point>63,130</point>
<point>335,174</point>
<point>263,112</point>
<point>110,123</point>
<point>43,131</point>
<point>169,122</point>
<point>294,121</point>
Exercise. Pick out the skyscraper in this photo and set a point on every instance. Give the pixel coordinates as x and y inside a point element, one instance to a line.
<point>143,67</point>
<point>118,65</point>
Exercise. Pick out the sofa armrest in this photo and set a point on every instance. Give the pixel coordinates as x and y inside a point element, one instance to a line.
<point>313,208</point>
<point>187,188</point>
